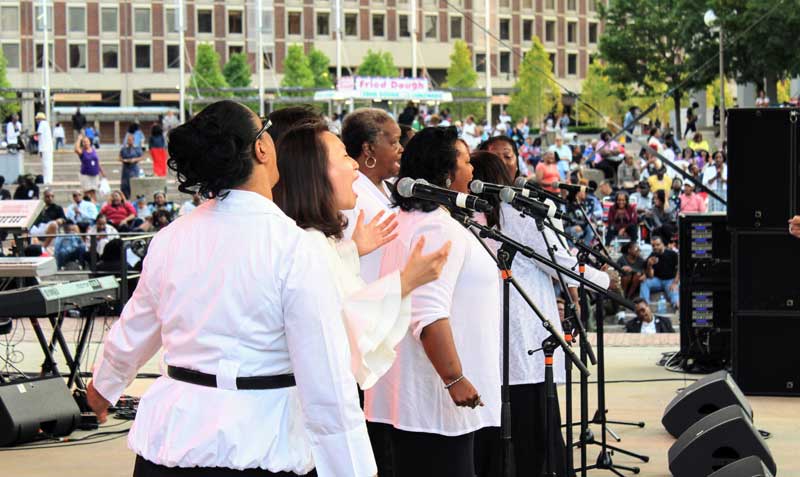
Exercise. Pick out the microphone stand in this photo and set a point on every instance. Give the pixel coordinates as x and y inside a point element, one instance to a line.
<point>503,259</point>
<point>601,259</point>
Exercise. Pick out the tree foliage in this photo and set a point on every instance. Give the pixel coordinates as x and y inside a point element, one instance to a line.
<point>206,72</point>
<point>376,63</point>
<point>461,75</point>
<point>535,93</point>
<point>712,94</point>
<point>600,92</point>
<point>237,71</point>
<point>296,70</point>
<point>650,43</point>
<point>320,64</point>
<point>13,106</point>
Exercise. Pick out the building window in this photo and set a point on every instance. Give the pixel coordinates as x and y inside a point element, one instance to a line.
<point>205,21</point>
<point>505,3</point>
<point>235,23</point>
<point>323,24</point>
<point>141,20</point>
<point>550,31</point>
<point>505,62</point>
<point>142,56</point>
<point>9,18</point>
<point>505,29</point>
<point>431,22</point>
<point>11,54</point>
<point>572,64</point>
<point>527,4</point>
<point>572,32</point>
<point>295,23</point>
<point>593,33</point>
<point>480,62</point>
<point>405,31</point>
<point>110,57</point>
<point>572,5</point>
<point>268,62</point>
<point>527,30</point>
<point>77,19</point>
<point>456,24</point>
<point>553,62</point>
<point>378,25</point>
<point>267,19</point>
<point>77,56</point>
<point>591,5</point>
<point>108,19</point>
<point>173,56</point>
<point>171,21</point>
<point>40,55</point>
<point>351,24</point>
<point>550,4</point>
<point>40,18</point>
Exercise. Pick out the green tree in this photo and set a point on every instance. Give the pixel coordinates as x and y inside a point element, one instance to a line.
<point>206,72</point>
<point>376,63</point>
<point>296,70</point>
<point>649,43</point>
<point>712,94</point>
<point>237,71</point>
<point>598,90</point>
<point>11,106</point>
<point>534,92</point>
<point>461,75</point>
<point>320,64</point>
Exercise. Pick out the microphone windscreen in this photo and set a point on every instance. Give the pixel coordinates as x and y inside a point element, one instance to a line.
<point>520,182</point>
<point>507,195</point>
<point>405,187</point>
<point>476,187</point>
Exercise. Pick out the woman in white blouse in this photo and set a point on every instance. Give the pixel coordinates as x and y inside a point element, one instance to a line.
<point>243,308</point>
<point>526,372</point>
<point>445,382</point>
<point>316,182</point>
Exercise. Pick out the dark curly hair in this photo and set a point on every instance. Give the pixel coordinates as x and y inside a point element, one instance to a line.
<point>215,150</point>
<point>304,191</point>
<point>484,146</point>
<point>488,167</point>
<point>430,155</point>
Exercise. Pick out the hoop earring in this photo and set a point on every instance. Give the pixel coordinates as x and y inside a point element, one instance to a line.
<point>374,163</point>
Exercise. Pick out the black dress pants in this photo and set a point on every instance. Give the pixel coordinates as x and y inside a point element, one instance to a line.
<point>530,436</point>
<point>419,454</point>
<point>145,468</point>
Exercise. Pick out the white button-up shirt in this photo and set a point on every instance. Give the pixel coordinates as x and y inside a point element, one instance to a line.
<point>372,201</point>
<point>236,289</point>
<point>411,396</point>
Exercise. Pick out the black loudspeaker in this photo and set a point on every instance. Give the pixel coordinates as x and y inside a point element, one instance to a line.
<point>705,245</point>
<point>715,441</point>
<point>30,406</point>
<point>761,172</point>
<point>761,365</point>
<point>701,398</point>
<point>747,467</point>
<point>765,272</point>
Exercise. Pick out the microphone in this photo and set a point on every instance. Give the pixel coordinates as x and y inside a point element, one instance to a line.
<point>530,206</point>
<point>573,187</point>
<point>537,191</point>
<point>421,189</point>
<point>480,187</point>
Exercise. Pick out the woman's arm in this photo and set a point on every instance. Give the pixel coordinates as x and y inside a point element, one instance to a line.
<point>437,340</point>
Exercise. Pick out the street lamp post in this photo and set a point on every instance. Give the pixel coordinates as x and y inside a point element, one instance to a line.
<point>711,21</point>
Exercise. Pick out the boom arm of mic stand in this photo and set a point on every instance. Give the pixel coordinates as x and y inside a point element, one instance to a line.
<point>486,232</point>
<point>594,253</point>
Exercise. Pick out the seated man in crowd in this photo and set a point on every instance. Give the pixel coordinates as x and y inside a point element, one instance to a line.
<point>642,198</point>
<point>661,272</point>
<point>119,212</point>
<point>633,269</point>
<point>49,220</point>
<point>104,232</point>
<point>190,205</point>
<point>69,247</point>
<point>160,203</point>
<point>646,322</point>
<point>690,201</point>
<point>82,210</point>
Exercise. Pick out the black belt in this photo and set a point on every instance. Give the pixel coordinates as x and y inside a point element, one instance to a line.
<point>210,380</point>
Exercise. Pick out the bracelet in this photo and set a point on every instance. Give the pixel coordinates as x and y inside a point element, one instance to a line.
<point>452,383</point>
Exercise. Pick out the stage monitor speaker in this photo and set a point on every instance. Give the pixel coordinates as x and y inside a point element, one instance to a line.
<point>761,364</point>
<point>747,467</point>
<point>30,406</point>
<point>701,398</point>
<point>765,272</point>
<point>719,439</point>
<point>761,172</point>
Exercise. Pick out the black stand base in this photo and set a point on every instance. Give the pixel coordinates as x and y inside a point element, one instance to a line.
<point>604,462</point>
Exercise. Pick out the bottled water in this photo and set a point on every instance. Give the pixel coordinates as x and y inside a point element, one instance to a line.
<point>662,305</point>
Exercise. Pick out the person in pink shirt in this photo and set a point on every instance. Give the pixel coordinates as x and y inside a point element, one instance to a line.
<point>547,172</point>
<point>690,201</point>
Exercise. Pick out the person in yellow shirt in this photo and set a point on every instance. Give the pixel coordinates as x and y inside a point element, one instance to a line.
<point>697,143</point>
<point>660,181</point>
